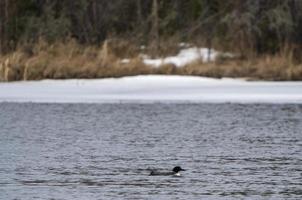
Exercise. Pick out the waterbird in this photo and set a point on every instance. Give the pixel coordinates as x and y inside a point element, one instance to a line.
<point>174,172</point>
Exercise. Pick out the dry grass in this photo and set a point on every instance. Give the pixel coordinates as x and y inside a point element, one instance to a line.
<point>63,60</point>
<point>67,60</point>
<point>273,68</point>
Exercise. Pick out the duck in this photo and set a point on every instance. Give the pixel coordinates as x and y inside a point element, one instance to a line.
<point>175,172</point>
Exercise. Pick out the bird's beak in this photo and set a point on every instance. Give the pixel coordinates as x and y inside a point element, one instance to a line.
<point>183,170</point>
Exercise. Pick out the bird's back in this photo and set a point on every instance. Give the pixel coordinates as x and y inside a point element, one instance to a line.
<point>159,173</point>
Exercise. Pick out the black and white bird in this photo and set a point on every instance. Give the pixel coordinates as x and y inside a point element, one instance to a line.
<point>175,172</point>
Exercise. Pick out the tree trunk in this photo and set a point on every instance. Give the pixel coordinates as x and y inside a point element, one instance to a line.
<point>139,12</point>
<point>209,46</point>
<point>3,24</point>
<point>155,28</point>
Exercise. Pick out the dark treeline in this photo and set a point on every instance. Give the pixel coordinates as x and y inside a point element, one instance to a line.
<point>250,27</point>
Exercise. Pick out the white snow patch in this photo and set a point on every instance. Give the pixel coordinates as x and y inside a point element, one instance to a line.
<point>125,61</point>
<point>184,57</point>
<point>184,45</point>
<point>152,88</point>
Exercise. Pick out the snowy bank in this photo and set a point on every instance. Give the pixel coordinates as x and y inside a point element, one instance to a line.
<point>152,88</point>
<point>186,56</point>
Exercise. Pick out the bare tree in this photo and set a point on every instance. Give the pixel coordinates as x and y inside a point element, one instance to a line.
<point>155,28</point>
<point>1,25</point>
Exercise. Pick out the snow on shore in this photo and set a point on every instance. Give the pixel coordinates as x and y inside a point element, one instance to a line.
<point>185,56</point>
<point>152,88</point>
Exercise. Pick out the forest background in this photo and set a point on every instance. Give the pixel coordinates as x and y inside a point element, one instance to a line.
<point>61,39</point>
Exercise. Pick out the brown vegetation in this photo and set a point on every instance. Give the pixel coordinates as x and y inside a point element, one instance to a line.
<point>67,60</point>
<point>63,60</point>
<point>257,70</point>
<point>280,67</point>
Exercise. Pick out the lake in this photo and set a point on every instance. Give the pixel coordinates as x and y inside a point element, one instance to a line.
<point>106,151</point>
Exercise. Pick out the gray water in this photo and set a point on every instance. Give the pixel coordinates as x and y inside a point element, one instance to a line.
<point>106,151</point>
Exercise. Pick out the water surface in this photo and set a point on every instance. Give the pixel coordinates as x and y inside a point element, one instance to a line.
<point>105,151</point>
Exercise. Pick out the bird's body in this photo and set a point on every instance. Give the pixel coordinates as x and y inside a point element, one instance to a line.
<point>174,172</point>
